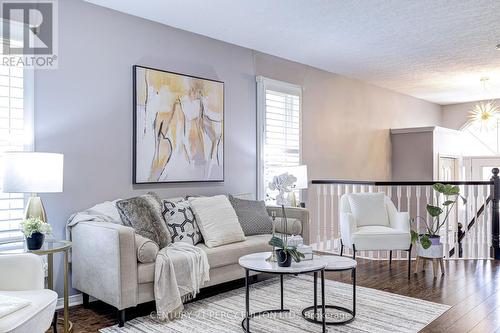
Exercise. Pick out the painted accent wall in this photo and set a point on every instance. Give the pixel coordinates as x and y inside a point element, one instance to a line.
<point>84,110</point>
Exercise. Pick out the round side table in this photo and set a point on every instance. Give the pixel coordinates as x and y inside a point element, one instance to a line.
<point>334,264</point>
<point>51,246</point>
<point>257,262</point>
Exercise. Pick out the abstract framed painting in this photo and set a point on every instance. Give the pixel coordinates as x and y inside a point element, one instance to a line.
<point>178,129</point>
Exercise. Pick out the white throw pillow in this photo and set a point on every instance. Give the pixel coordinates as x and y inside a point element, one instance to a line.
<point>217,220</point>
<point>368,208</point>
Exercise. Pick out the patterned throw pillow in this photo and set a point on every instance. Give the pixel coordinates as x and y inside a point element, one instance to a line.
<point>143,213</point>
<point>181,221</point>
<point>253,216</point>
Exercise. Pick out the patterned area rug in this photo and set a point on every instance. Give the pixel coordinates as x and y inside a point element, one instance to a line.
<point>376,311</point>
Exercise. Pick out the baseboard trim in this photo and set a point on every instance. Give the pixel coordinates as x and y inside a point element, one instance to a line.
<point>73,300</point>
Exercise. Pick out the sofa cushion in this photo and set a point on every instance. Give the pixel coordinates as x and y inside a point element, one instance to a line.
<point>253,216</point>
<point>143,213</point>
<point>375,237</point>
<point>219,256</point>
<point>181,221</point>
<point>146,249</point>
<point>368,208</point>
<point>230,254</point>
<point>217,220</point>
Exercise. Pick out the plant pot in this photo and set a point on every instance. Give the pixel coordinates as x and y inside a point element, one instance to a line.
<point>435,239</point>
<point>284,259</point>
<point>434,251</point>
<point>35,242</point>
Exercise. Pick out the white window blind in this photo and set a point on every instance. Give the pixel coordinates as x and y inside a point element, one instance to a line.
<point>279,121</point>
<point>16,134</point>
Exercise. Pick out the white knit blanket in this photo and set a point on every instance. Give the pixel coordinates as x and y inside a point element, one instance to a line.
<point>9,304</point>
<point>181,269</point>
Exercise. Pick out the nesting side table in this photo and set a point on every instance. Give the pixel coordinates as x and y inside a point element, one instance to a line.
<point>333,264</point>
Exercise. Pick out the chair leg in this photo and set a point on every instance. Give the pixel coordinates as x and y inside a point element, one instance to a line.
<point>121,318</point>
<point>409,261</point>
<point>353,251</point>
<point>390,259</point>
<point>341,247</point>
<point>441,264</point>
<point>85,298</point>
<point>54,323</point>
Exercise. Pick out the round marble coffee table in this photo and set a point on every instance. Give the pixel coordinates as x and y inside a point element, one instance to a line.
<point>334,264</point>
<point>257,262</point>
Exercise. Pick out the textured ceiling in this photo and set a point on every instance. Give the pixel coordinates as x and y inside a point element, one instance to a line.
<point>436,50</point>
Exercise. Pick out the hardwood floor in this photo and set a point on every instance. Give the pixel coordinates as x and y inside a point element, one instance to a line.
<point>471,287</point>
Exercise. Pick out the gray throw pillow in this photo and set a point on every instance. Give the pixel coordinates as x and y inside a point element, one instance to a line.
<point>143,213</point>
<point>181,221</point>
<point>253,216</point>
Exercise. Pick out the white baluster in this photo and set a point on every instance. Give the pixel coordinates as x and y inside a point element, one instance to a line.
<point>465,239</point>
<point>318,218</point>
<point>482,235</point>
<point>455,228</point>
<point>332,223</point>
<point>476,221</point>
<point>339,196</point>
<point>325,218</point>
<point>418,193</point>
<point>427,201</point>
<point>446,237</point>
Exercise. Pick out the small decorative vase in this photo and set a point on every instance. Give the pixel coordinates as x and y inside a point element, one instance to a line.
<point>283,258</point>
<point>35,242</point>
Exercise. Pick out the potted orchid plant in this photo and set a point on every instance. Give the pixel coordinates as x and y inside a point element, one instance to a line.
<point>283,183</point>
<point>431,235</point>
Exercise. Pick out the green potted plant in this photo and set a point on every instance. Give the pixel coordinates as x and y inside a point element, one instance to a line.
<point>35,230</point>
<point>431,235</point>
<point>285,253</point>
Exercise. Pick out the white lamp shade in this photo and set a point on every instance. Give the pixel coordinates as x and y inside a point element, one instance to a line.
<point>300,172</point>
<point>30,172</point>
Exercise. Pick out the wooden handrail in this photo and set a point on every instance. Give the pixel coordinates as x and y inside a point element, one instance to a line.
<point>398,183</point>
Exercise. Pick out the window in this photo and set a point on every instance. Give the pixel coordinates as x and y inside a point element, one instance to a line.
<point>279,130</point>
<point>16,134</point>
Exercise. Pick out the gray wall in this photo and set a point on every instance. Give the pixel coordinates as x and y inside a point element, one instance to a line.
<point>84,109</point>
<point>346,122</point>
<point>456,115</point>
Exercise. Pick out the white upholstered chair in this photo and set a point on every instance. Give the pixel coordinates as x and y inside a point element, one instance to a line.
<point>22,281</point>
<point>371,222</point>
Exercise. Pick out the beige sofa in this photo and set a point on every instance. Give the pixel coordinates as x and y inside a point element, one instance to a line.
<point>105,265</point>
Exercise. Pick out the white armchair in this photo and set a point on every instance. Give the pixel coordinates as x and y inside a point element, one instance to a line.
<point>22,278</point>
<point>371,222</point>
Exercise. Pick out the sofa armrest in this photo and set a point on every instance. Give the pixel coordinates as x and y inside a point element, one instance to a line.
<point>347,228</point>
<point>301,214</point>
<point>104,262</point>
<point>22,271</point>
